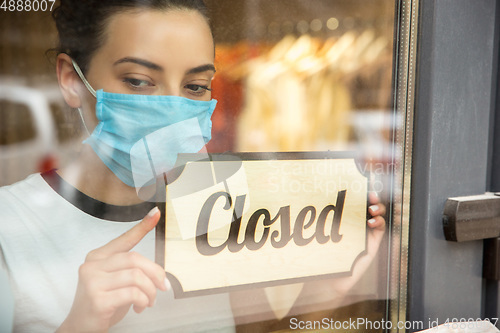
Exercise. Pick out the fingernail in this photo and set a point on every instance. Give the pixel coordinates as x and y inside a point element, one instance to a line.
<point>153,212</point>
<point>371,221</point>
<point>374,208</point>
<point>168,285</point>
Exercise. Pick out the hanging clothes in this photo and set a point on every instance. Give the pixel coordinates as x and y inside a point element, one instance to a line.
<point>300,94</point>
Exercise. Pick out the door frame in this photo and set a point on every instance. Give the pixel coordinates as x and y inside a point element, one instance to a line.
<point>454,106</point>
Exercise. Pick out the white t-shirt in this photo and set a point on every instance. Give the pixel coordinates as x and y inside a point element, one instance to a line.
<point>44,239</point>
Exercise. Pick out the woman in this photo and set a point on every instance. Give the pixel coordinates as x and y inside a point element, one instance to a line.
<point>131,68</point>
<point>59,220</point>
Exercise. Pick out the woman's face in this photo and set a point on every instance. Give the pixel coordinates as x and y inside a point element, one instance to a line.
<point>153,52</point>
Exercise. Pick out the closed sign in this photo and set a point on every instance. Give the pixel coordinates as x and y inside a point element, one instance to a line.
<point>254,219</point>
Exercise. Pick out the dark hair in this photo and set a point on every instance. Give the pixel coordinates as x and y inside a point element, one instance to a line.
<point>81,23</point>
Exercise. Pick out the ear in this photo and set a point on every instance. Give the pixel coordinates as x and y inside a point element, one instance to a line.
<point>69,82</point>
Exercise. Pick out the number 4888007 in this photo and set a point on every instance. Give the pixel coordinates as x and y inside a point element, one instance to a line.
<point>27,5</point>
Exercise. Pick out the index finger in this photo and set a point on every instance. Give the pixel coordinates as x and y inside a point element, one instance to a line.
<point>129,239</point>
<point>373,198</point>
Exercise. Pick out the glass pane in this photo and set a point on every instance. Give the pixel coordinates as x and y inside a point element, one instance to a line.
<point>308,113</point>
<point>310,76</point>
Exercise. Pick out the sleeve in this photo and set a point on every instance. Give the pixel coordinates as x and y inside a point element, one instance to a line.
<point>7,299</point>
<point>7,303</point>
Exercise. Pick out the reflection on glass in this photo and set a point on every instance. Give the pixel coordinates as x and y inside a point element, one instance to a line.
<point>292,75</point>
<point>309,76</point>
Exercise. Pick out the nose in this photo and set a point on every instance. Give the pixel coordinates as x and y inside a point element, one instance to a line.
<point>171,90</point>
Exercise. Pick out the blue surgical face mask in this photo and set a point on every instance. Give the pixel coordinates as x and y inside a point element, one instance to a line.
<point>138,137</point>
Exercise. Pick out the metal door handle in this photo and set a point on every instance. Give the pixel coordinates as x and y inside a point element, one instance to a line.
<point>472,218</point>
<point>476,218</point>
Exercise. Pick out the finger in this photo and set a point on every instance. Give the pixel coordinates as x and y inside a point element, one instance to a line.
<point>376,210</point>
<point>131,278</point>
<point>376,222</point>
<point>133,260</point>
<point>373,198</point>
<point>128,240</point>
<point>124,297</point>
<point>139,309</point>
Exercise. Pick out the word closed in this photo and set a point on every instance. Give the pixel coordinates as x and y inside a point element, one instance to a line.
<point>280,237</point>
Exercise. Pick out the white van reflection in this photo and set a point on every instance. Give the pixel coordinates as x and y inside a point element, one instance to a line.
<point>28,135</point>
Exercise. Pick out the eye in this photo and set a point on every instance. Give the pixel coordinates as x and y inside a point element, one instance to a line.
<point>137,83</point>
<point>197,89</point>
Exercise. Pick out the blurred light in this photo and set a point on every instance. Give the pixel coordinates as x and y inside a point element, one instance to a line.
<point>316,25</point>
<point>332,23</point>
<point>302,27</point>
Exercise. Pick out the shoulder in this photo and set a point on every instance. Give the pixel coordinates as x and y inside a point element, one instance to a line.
<point>33,180</point>
<point>28,216</point>
<point>21,191</point>
<point>20,198</point>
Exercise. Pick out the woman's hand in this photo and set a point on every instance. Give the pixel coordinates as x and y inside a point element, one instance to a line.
<point>375,234</point>
<point>377,212</point>
<point>112,279</point>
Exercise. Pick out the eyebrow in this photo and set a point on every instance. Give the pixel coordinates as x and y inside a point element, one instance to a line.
<point>142,62</point>
<point>201,69</point>
<point>153,66</point>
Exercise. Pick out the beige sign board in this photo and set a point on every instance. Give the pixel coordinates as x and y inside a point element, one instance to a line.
<point>262,220</point>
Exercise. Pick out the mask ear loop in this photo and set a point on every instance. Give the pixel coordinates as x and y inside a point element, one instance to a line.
<point>83,121</point>
<point>90,89</point>
<point>82,77</point>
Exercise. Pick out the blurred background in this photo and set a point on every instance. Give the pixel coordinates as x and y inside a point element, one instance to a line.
<point>292,75</point>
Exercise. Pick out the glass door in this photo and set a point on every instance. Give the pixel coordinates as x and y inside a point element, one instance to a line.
<point>317,77</point>
<point>315,104</point>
